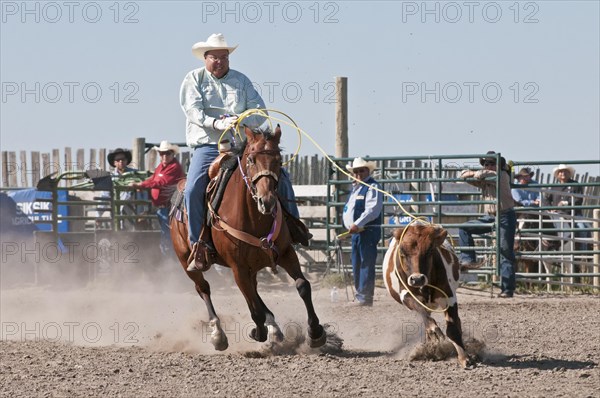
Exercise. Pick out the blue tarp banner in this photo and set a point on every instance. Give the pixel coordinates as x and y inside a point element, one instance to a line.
<point>26,202</point>
<point>13,223</point>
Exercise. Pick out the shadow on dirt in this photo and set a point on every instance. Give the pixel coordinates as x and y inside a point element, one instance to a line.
<point>545,363</point>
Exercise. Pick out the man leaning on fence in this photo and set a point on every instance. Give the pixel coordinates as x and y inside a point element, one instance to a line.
<point>485,179</point>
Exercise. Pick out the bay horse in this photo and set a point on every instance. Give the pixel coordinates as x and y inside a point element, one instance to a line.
<point>421,271</point>
<point>249,233</point>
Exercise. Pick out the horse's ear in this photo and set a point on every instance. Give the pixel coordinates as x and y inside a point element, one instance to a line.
<point>277,132</point>
<point>249,133</point>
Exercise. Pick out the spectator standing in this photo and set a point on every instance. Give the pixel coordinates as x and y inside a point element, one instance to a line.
<point>362,217</point>
<point>162,185</point>
<point>120,159</point>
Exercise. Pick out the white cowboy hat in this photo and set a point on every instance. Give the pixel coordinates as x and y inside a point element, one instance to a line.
<point>216,41</point>
<point>360,162</point>
<point>563,166</point>
<point>166,146</point>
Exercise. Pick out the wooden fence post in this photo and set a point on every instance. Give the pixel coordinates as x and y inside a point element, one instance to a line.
<point>23,167</point>
<point>56,167</point>
<point>80,159</point>
<point>5,169</point>
<point>68,165</point>
<point>45,164</point>
<point>138,151</point>
<point>35,168</point>
<point>341,117</point>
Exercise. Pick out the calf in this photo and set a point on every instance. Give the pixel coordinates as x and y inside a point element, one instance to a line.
<point>421,257</point>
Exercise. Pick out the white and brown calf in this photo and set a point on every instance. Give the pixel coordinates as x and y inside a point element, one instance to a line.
<point>420,255</point>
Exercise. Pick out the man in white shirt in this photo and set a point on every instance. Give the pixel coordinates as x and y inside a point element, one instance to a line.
<point>211,98</point>
<point>362,217</point>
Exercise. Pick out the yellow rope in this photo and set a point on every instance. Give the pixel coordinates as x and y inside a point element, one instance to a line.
<point>262,112</point>
<point>236,127</point>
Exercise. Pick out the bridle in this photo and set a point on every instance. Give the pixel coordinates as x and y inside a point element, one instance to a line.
<point>251,182</point>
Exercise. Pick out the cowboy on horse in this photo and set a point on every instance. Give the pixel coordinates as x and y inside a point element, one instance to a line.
<point>211,98</point>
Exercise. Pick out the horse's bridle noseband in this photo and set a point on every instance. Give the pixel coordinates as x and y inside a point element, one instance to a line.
<point>250,183</point>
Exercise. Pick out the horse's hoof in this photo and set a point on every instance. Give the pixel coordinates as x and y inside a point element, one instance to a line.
<point>467,363</point>
<point>319,341</point>
<point>254,336</point>
<point>275,335</point>
<point>220,342</point>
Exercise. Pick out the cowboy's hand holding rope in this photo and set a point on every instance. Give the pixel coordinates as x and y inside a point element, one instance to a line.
<point>355,229</point>
<point>224,123</point>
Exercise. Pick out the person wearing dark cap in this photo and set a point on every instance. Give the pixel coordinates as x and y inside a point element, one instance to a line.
<point>526,197</point>
<point>485,179</point>
<point>119,159</point>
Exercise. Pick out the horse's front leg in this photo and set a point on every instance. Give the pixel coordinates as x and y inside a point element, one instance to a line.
<point>247,285</point>
<point>217,335</point>
<point>182,249</point>
<point>274,331</point>
<point>316,334</point>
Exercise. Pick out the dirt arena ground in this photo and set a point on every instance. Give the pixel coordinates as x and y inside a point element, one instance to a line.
<point>145,336</point>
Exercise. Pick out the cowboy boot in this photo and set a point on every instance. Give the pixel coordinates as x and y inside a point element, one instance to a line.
<point>203,253</point>
<point>298,231</point>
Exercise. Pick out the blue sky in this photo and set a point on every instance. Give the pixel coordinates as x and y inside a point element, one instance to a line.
<point>424,78</point>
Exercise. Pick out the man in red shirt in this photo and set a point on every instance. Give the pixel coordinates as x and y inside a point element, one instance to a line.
<point>162,185</point>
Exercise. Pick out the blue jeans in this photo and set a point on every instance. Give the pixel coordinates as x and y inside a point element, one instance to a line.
<point>195,188</point>
<point>197,182</point>
<point>286,192</point>
<point>364,256</point>
<point>166,246</point>
<point>506,240</point>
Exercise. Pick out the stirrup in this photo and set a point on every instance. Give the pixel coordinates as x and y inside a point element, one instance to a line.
<point>198,261</point>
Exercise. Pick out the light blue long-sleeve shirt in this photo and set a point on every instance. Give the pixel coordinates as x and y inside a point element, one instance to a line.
<point>526,197</point>
<point>205,98</point>
<point>373,206</point>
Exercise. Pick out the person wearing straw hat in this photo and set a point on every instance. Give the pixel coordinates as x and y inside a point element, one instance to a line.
<point>564,196</point>
<point>162,185</point>
<point>212,97</point>
<point>508,219</point>
<point>362,217</point>
<point>569,198</point>
<point>525,197</point>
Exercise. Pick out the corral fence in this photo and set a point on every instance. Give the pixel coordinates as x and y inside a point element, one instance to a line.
<point>566,252</point>
<point>428,187</point>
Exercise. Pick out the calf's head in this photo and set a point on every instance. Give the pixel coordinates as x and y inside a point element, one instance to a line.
<point>418,244</point>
